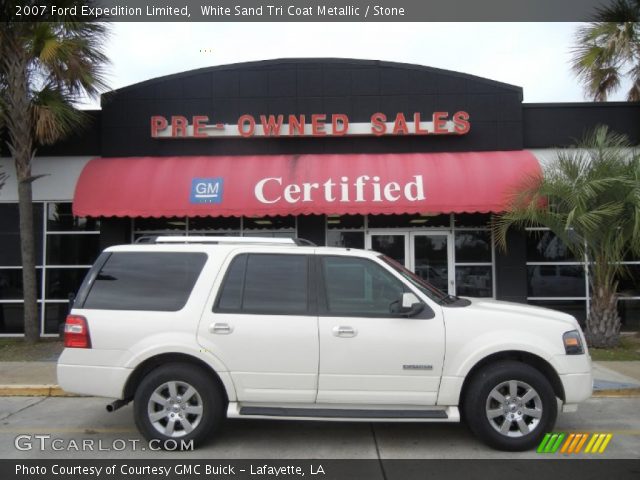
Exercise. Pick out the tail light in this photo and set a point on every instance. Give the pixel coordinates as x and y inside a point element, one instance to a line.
<point>76,332</point>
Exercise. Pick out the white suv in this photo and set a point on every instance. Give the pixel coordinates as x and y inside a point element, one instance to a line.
<point>196,329</point>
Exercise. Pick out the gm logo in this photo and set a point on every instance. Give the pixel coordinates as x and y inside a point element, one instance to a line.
<point>206,190</point>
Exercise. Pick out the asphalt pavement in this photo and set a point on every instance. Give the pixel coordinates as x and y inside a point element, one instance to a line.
<point>63,425</point>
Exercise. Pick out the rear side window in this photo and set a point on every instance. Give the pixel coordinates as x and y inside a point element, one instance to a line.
<point>266,284</point>
<point>156,281</point>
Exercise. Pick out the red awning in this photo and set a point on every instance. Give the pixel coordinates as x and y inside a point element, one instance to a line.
<point>300,184</point>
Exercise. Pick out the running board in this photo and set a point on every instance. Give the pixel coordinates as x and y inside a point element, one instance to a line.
<point>450,414</point>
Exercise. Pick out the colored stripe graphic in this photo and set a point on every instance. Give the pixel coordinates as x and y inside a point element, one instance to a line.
<point>598,443</point>
<point>543,443</point>
<point>550,443</point>
<point>573,443</point>
<point>582,442</point>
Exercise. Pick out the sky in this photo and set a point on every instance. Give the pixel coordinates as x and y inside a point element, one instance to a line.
<point>535,56</point>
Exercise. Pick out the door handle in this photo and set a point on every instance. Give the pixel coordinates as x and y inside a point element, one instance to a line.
<point>221,328</point>
<point>344,331</point>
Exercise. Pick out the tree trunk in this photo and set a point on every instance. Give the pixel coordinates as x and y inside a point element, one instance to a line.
<point>18,121</point>
<point>28,251</point>
<point>603,322</point>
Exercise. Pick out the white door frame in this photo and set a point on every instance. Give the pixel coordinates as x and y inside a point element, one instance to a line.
<point>409,248</point>
<point>451,284</point>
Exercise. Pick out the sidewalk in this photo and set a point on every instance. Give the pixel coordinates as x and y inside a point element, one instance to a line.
<point>39,379</point>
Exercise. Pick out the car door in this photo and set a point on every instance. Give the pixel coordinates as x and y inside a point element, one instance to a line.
<point>262,324</point>
<point>369,355</point>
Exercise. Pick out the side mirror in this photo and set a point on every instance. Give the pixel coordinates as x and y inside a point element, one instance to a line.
<point>410,305</point>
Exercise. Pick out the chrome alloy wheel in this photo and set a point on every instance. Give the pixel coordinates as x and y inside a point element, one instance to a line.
<point>175,409</point>
<point>514,408</point>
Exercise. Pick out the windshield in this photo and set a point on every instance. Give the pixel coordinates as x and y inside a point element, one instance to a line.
<point>422,285</point>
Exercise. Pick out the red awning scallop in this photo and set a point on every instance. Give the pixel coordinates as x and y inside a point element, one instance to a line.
<point>301,184</point>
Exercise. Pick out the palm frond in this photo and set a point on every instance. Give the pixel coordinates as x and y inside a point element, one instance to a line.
<point>53,115</point>
<point>619,11</point>
<point>633,95</point>
<point>589,198</point>
<point>603,48</point>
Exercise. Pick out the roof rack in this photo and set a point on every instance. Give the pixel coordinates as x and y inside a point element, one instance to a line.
<point>227,240</point>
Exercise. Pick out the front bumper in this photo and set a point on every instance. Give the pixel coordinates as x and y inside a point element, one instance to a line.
<point>577,386</point>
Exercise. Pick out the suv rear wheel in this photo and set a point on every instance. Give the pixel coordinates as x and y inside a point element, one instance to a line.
<point>510,406</point>
<point>178,403</point>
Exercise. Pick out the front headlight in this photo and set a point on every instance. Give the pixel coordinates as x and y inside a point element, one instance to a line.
<point>572,343</point>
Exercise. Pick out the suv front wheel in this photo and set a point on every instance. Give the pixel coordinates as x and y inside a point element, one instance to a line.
<point>177,403</point>
<point>510,405</point>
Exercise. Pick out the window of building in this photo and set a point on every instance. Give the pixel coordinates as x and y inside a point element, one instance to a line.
<point>473,220</point>
<point>10,255</point>
<point>258,226</point>
<point>473,250</point>
<point>219,226</point>
<point>555,278</point>
<point>278,226</point>
<point>409,221</point>
<point>71,245</point>
<point>154,281</point>
<point>544,246</point>
<point>66,247</point>
<point>629,310</point>
<point>345,231</point>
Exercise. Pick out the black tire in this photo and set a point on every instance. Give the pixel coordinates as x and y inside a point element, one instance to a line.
<point>188,424</point>
<point>523,418</point>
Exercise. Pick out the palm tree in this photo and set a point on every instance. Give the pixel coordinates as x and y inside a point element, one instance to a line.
<point>43,68</point>
<point>590,199</point>
<point>608,50</point>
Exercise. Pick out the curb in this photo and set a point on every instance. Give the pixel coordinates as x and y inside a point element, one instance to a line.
<point>56,391</point>
<point>34,391</point>
<point>617,393</point>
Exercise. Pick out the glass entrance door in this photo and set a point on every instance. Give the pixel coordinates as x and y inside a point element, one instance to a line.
<point>428,254</point>
<point>392,244</point>
<point>432,259</point>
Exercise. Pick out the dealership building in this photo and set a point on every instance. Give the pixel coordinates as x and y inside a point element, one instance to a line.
<point>407,160</point>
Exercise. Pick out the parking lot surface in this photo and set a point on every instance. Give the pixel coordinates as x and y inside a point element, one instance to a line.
<point>68,427</point>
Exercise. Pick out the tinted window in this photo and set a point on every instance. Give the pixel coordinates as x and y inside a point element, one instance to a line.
<point>474,281</point>
<point>544,246</point>
<point>10,237</point>
<point>473,246</point>
<point>160,281</point>
<point>357,286</point>
<point>72,249</point>
<point>276,284</point>
<point>231,291</point>
<point>556,281</point>
<point>266,284</point>
<point>345,239</point>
